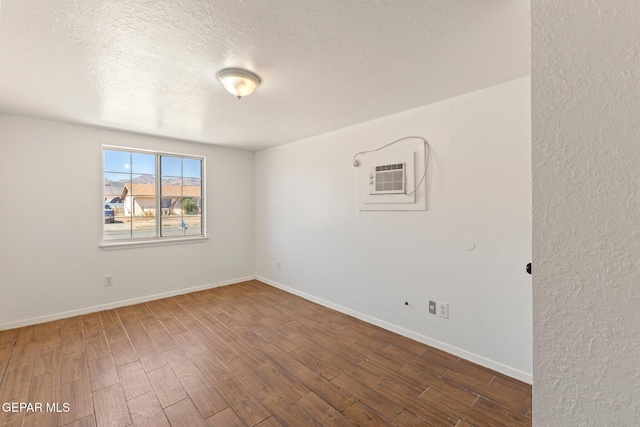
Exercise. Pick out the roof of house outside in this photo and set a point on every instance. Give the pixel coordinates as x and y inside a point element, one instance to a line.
<point>167,190</point>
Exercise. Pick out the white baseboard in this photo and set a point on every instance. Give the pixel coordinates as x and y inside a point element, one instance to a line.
<point>487,363</point>
<point>499,367</point>
<point>72,313</point>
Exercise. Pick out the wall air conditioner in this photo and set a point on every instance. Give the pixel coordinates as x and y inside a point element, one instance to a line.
<point>387,179</point>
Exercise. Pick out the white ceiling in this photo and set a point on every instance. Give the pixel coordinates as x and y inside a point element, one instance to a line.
<point>150,66</point>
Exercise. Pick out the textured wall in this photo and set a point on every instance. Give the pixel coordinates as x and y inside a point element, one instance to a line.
<point>586,212</point>
<point>478,188</point>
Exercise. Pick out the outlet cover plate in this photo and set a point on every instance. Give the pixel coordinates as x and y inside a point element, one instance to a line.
<point>443,310</point>
<point>432,307</point>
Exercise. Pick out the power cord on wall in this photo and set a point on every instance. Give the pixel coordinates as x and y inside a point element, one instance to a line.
<point>356,163</point>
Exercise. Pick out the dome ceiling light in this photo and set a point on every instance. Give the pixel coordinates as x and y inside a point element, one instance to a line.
<point>238,82</point>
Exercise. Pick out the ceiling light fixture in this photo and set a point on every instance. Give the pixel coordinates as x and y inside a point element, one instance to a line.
<point>238,82</point>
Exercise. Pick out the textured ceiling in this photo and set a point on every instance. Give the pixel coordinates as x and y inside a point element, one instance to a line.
<point>150,66</point>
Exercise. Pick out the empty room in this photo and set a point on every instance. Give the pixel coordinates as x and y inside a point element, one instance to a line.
<point>319,213</point>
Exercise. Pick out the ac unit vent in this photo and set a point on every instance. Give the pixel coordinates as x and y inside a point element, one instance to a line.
<point>387,179</point>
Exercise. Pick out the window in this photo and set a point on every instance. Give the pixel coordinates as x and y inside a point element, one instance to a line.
<point>151,196</point>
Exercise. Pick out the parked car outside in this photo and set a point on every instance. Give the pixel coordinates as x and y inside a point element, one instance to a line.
<point>109,215</point>
<point>115,203</point>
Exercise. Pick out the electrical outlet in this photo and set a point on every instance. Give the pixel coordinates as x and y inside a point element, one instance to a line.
<point>108,280</point>
<point>443,310</point>
<point>432,307</point>
<point>278,265</point>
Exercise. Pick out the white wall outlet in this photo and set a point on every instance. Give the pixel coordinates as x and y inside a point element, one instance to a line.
<point>443,310</point>
<point>108,280</point>
<point>278,265</point>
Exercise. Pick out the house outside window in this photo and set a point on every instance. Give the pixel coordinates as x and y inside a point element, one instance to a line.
<point>151,195</point>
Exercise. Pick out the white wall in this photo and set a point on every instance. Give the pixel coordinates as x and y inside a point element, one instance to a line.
<point>51,224</point>
<point>369,263</point>
<point>586,212</point>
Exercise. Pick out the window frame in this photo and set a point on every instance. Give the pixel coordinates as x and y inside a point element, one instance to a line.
<point>158,239</point>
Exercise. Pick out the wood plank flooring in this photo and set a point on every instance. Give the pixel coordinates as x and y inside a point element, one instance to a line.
<point>244,355</point>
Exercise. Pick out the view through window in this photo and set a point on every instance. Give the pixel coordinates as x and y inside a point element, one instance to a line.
<point>151,195</point>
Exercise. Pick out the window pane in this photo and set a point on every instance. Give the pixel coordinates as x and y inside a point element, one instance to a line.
<point>171,187</point>
<point>120,228</point>
<point>144,227</point>
<point>194,225</point>
<point>117,161</point>
<point>191,168</point>
<point>114,183</point>
<point>192,187</point>
<point>142,205</point>
<point>171,166</point>
<point>171,206</point>
<point>165,204</point>
<point>143,179</point>
<point>191,206</point>
<point>144,185</point>
<point>196,182</point>
<point>117,204</point>
<point>143,163</point>
<point>171,225</point>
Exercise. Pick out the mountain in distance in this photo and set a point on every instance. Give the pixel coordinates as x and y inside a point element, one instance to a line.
<point>144,179</point>
<point>114,188</point>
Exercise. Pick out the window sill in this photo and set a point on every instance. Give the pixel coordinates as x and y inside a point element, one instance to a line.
<point>115,245</point>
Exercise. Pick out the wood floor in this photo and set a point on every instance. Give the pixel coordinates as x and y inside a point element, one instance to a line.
<point>243,355</point>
